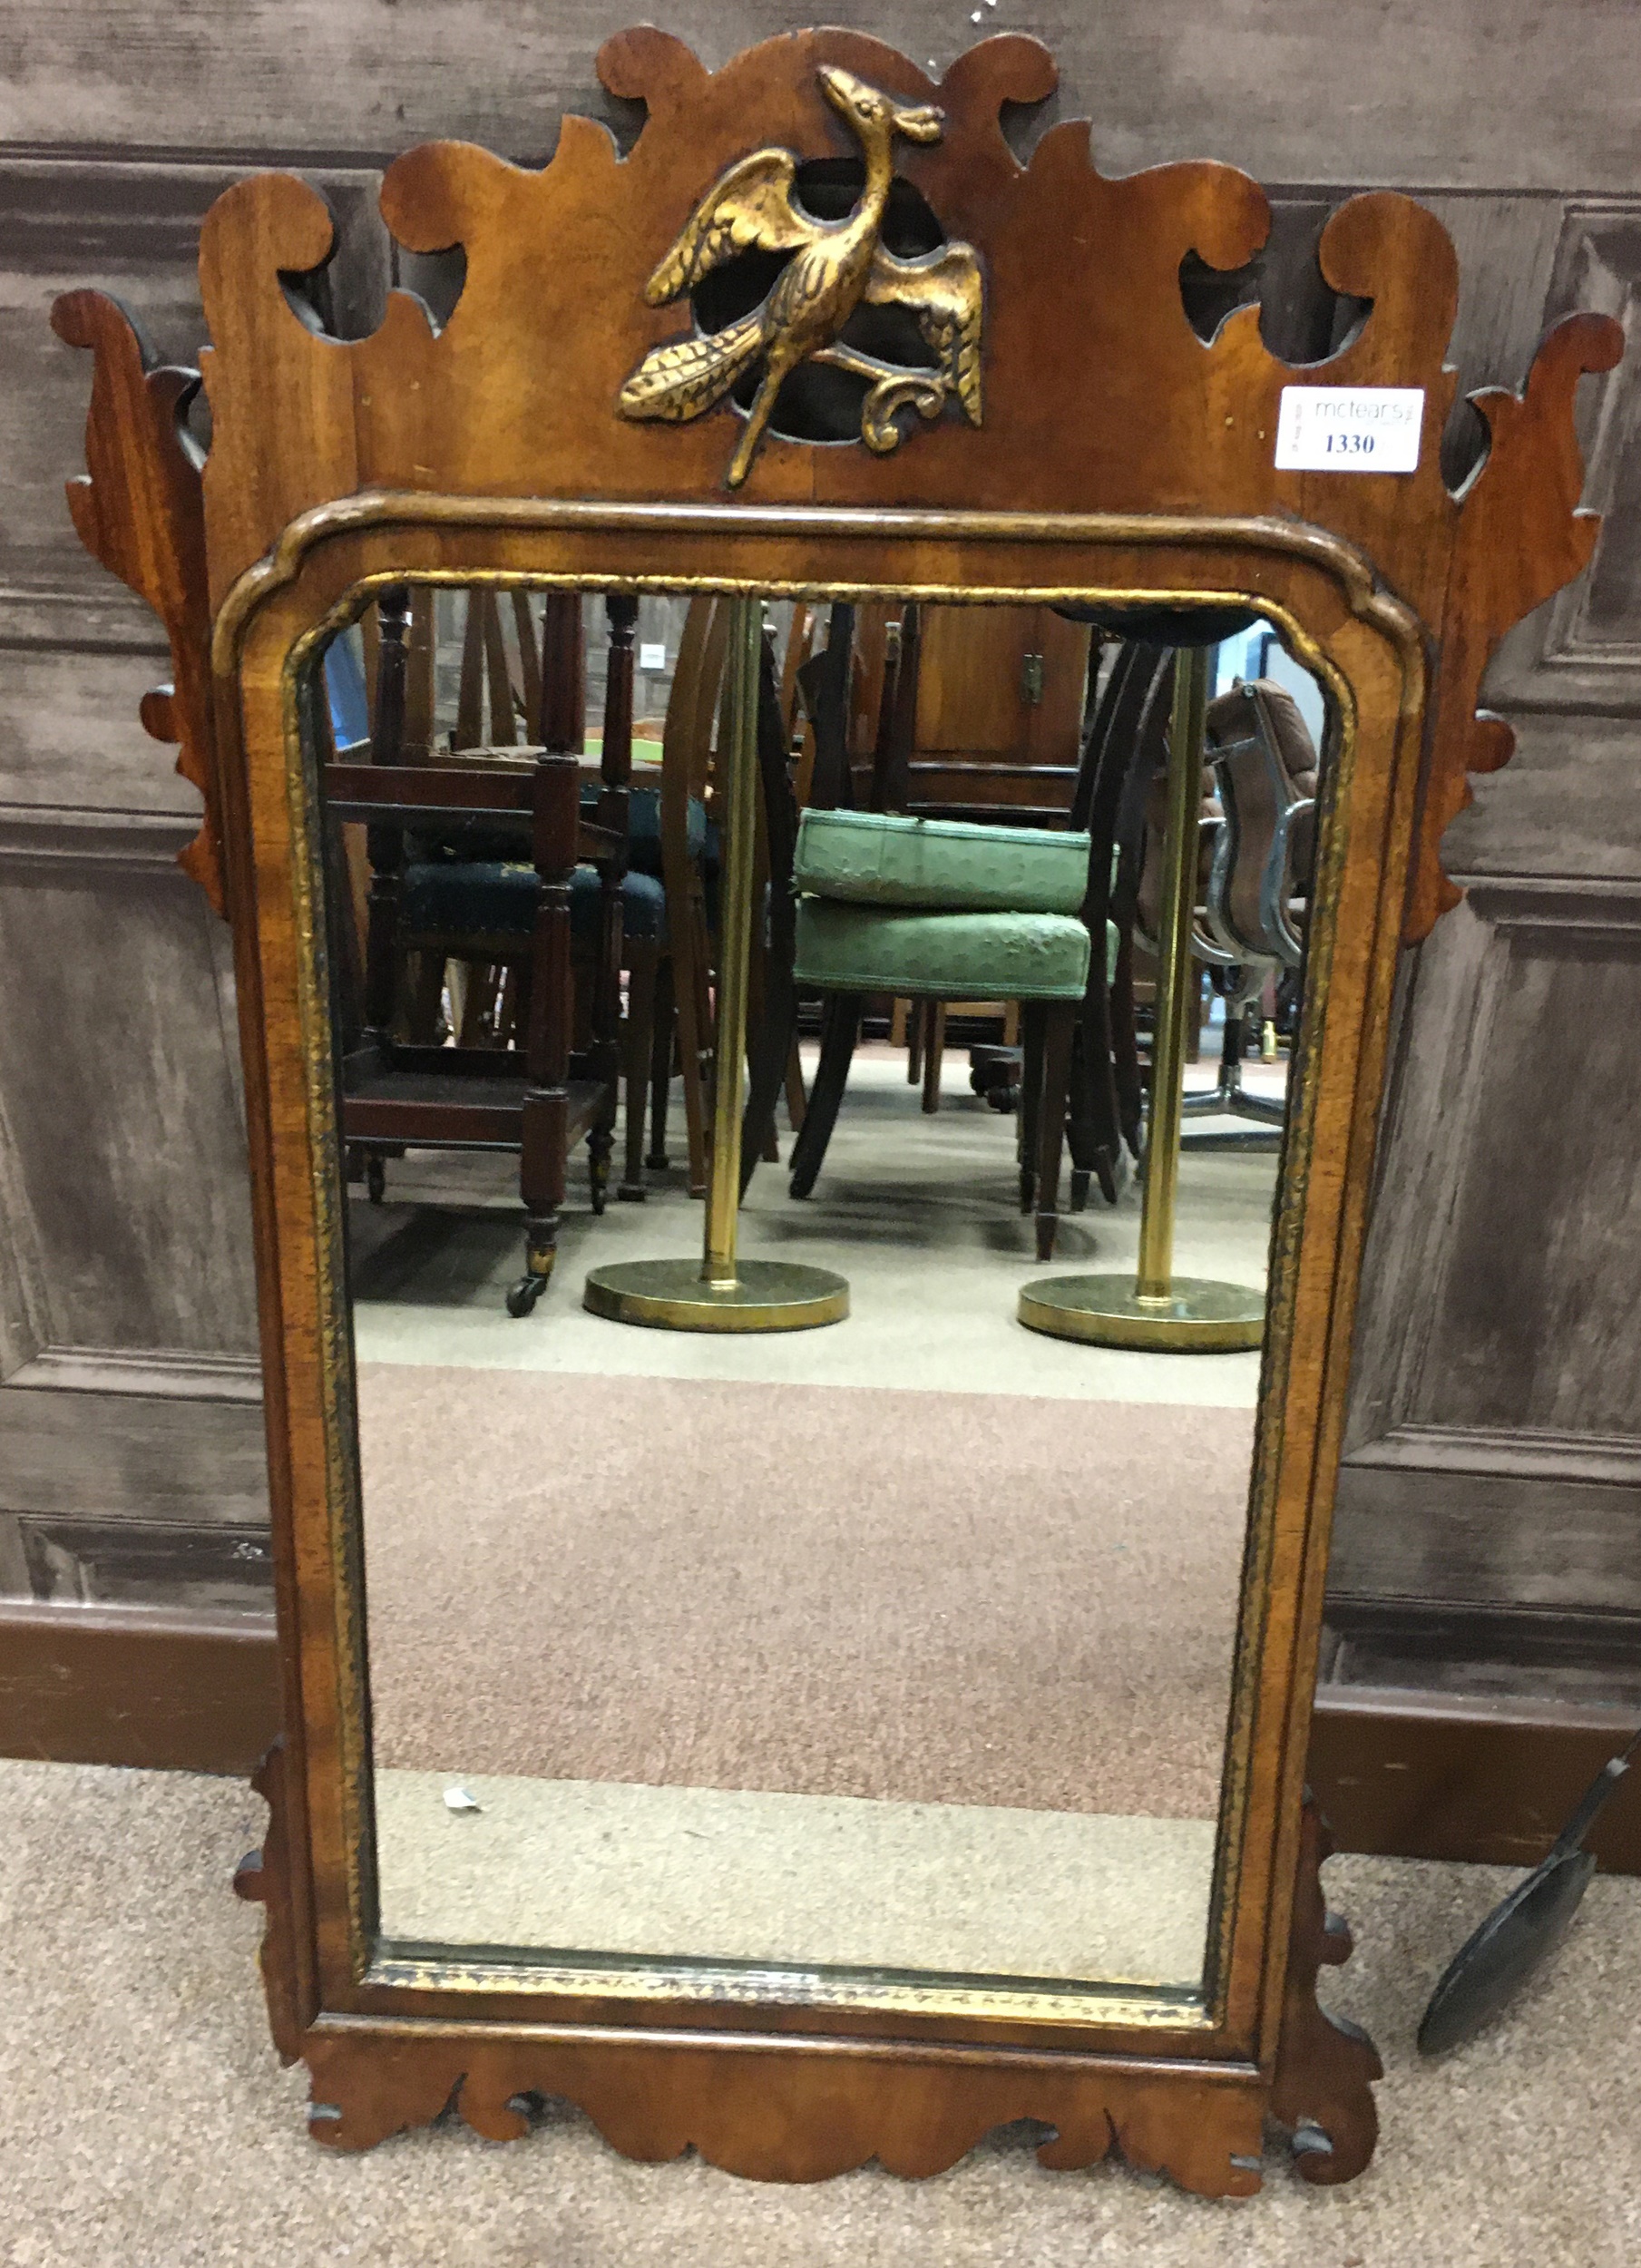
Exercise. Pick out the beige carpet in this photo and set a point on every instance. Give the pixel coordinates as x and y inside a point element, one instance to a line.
<point>605,1867</point>
<point>144,2122</point>
<point>916,1596</point>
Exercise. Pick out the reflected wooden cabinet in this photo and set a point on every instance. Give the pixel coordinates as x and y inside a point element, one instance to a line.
<point>691,1868</point>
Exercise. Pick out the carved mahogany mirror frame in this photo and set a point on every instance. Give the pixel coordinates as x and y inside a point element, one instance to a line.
<point>1071,437</point>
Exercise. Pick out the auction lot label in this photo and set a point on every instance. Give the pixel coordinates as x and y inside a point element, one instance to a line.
<point>1350,428</point>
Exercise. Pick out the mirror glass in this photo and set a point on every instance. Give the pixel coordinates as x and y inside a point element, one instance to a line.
<point>898,1646</point>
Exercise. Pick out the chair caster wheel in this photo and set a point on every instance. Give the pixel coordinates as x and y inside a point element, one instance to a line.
<point>657,1161</point>
<point>630,1193</point>
<point>375,1180</point>
<point>521,1298</point>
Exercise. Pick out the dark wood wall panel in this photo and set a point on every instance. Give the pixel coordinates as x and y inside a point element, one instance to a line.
<point>129,1141</point>
<point>1489,1505</point>
<point>1472,93</point>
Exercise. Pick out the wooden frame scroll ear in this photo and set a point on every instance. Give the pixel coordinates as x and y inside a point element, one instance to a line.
<point>138,508</point>
<point>1521,536</point>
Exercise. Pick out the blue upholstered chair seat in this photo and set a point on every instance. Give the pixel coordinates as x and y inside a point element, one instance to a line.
<point>464,898</point>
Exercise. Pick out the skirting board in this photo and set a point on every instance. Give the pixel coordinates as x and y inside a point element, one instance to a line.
<point>137,1686</point>
<point>1398,1772</point>
<point>1421,1775</point>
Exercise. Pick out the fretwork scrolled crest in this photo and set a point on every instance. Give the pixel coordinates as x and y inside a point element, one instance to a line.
<point>1050,308</point>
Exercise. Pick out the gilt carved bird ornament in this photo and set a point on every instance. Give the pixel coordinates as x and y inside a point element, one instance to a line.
<point>835,266</point>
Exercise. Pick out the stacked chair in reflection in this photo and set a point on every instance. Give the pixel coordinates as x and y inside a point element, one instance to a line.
<point>1255,845</point>
<point>478,857</point>
<point>893,901</point>
<point>1265,769</point>
<point>974,716</point>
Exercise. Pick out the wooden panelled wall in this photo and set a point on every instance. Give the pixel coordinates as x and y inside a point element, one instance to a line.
<point>1491,1507</point>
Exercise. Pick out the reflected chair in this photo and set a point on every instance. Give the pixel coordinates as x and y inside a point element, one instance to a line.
<point>925,908</point>
<point>539,1098</point>
<point>965,712</point>
<point>1265,769</point>
<point>1125,757</point>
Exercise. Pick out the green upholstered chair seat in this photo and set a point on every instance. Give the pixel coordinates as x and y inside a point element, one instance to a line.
<point>946,955</point>
<point>954,866</point>
<point>496,898</point>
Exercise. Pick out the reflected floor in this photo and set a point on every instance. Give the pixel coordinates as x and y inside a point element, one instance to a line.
<point>905,1643</point>
<point>799,1880</point>
<point>918,1212</point>
<point>912,1597</point>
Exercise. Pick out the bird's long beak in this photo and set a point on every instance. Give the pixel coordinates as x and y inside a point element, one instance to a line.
<point>838,86</point>
<point>927,125</point>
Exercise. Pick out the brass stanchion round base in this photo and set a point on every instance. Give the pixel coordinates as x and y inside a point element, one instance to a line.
<point>672,1295</point>
<point>1199,1319</point>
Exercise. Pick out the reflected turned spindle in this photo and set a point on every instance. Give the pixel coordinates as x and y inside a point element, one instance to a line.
<point>1157,1309</point>
<point>722,1292</point>
<point>385,840</point>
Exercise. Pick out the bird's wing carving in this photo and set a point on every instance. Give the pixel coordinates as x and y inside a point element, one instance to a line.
<point>751,204</point>
<point>944,292</point>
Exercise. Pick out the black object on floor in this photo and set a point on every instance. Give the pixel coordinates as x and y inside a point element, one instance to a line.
<point>1499,1957</point>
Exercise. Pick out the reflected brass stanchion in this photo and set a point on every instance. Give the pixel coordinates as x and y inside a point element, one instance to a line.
<point>1157,1309</point>
<point>722,1292</point>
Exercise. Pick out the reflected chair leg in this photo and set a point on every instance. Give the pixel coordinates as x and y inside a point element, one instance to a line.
<point>1031,1099</point>
<point>688,949</point>
<point>600,1149</point>
<point>838,1035</point>
<point>1059,1024</point>
<point>700,1057</point>
<point>769,1044</point>
<point>1096,1129</point>
<point>663,1035</point>
<point>1079,1121</point>
<point>545,1116</point>
<point>796,1104</point>
<point>541,1187</point>
<point>426,992</point>
<point>759,1142</point>
<point>606,1058</point>
<point>642,959</point>
<point>1125,1050</point>
<point>934,1054</point>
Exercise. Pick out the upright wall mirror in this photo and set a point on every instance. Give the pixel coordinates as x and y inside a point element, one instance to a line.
<point>817,884</point>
